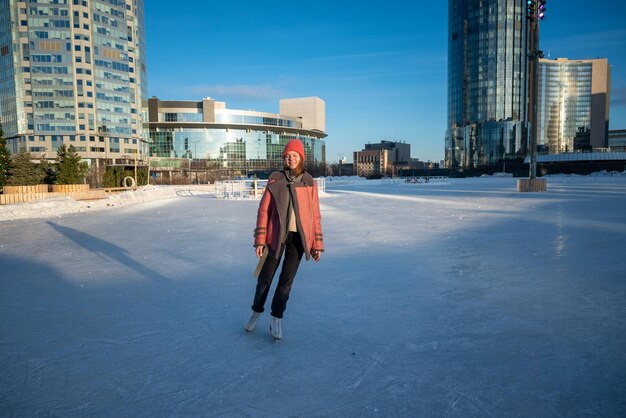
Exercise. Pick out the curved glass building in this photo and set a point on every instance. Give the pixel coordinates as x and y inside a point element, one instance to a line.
<point>205,140</point>
<point>487,82</point>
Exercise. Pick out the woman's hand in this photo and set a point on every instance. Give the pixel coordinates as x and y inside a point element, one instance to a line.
<point>259,251</point>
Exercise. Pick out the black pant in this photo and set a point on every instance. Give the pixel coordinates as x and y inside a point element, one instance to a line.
<point>291,260</point>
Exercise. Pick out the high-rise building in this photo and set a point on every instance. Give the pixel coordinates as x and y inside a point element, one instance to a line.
<point>488,48</point>
<point>573,105</point>
<point>73,72</point>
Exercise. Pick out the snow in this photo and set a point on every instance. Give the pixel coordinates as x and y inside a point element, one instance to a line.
<point>453,298</point>
<point>57,206</point>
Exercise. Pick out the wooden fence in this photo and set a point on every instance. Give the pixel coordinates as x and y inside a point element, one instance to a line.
<point>38,188</point>
<point>22,194</point>
<point>65,188</point>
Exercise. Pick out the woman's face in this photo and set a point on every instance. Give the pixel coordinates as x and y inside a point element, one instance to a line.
<point>292,159</point>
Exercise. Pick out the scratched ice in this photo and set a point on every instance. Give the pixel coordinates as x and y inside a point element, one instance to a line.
<point>459,298</point>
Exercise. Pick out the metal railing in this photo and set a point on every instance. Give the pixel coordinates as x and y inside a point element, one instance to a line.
<point>416,179</point>
<point>250,188</point>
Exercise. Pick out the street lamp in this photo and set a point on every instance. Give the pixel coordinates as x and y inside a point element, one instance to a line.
<point>532,184</point>
<point>143,148</point>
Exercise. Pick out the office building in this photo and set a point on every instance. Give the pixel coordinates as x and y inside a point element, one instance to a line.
<point>73,72</point>
<point>573,105</point>
<point>487,82</point>
<point>207,141</point>
<point>381,159</point>
<point>617,140</point>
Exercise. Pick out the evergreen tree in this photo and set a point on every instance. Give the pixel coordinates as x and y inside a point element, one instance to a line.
<point>23,171</point>
<point>5,160</point>
<point>49,170</point>
<point>70,169</point>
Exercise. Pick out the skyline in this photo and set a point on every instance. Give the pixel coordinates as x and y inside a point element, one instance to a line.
<point>382,73</point>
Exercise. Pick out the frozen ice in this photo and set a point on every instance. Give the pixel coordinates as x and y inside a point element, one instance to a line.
<point>454,298</point>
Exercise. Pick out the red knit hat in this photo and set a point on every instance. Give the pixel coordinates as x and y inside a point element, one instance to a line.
<point>294,145</point>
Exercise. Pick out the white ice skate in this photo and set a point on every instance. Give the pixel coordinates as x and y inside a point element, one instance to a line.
<point>254,316</point>
<point>276,329</point>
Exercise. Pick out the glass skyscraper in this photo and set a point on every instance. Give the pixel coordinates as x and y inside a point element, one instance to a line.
<point>73,72</point>
<point>487,82</point>
<point>573,100</point>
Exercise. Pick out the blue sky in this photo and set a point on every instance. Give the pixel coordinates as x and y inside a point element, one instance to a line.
<point>381,68</point>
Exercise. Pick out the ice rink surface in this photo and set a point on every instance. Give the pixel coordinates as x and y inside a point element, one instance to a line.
<point>461,298</point>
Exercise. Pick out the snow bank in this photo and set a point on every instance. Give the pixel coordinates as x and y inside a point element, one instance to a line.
<point>57,206</point>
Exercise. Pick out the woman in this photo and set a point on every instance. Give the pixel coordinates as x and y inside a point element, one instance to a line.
<point>289,223</point>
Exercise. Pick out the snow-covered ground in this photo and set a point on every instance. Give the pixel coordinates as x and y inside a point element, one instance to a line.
<point>58,206</point>
<point>456,298</point>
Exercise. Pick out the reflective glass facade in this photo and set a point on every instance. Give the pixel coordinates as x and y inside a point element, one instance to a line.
<point>234,117</point>
<point>184,135</point>
<point>487,82</point>
<point>564,102</point>
<point>72,72</point>
<point>573,104</point>
<point>617,140</point>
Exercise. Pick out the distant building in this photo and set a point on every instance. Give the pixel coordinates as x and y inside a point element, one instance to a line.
<point>73,73</point>
<point>310,110</point>
<point>381,159</point>
<point>341,169</point>
<point>206,140</point>
<point>617,140</point>
<point>573,105</point>
<point>488,52</point>
<point>580,162</point>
